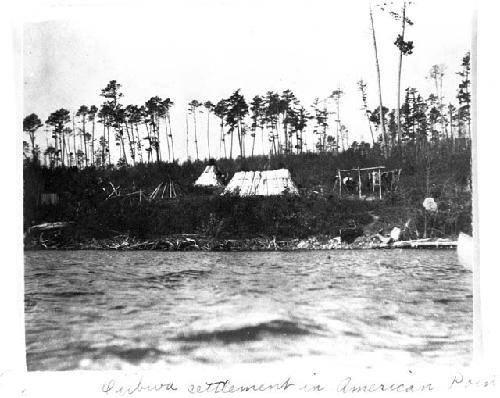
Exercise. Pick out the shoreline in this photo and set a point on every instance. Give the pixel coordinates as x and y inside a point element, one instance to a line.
<point>205,244</point>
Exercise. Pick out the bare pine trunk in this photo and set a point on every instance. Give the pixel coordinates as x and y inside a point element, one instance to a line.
<point>92,143</point>
<point>168,141</point>
<point>195,136</point>
<point>103,144</point>
<point>81,143</point>
<point>222,141</point>
<point>85,143</point>
<point>187,137</point>
<point>231,145</point>
<point>262,138</point>
<point>109,149</point>
<point>253,141</point>
<point>278,138</point>
<point>339,126</point>
<point>33,152</point>
<point>285,132</point>
<point>64,147</point>
<point>170,135</point>
<point>441,108</point>
<point>130,145</point>
<point>468,103</point>
<point>124,154</point>
<point>157,143</point>
<point>398,118</point>
<point>149,141</point>
<point>208,132</point>
<point>60,153</point>
<point>240,141</point>
<point>74,141</point>
<point>451,132</point>
<point>365,106</point>
<point>56,147</point>
<point>371,132</point>
<point>382,123</point>
<point>139,146</point>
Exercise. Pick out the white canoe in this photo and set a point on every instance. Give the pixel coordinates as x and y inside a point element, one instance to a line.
<point>465,250</point>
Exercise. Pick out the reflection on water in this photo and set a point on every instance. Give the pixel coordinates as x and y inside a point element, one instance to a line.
<point>113,310</point>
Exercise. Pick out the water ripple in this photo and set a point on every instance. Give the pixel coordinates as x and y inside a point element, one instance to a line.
<point>108,310</point>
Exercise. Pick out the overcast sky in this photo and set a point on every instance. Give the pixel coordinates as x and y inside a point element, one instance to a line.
<point>207,49</point>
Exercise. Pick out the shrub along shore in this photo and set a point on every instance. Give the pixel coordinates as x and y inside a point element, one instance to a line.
<point>105,210</point>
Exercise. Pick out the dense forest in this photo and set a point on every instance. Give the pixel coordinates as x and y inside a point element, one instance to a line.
<point>429,138</point>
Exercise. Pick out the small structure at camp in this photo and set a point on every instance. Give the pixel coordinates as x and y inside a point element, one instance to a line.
<point>368,181</point>
<point>261,183</point>
<point>210,178</point>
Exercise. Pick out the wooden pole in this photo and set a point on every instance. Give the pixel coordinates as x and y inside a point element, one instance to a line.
<point>379,185</point>
<point>187,137</point>
<point>74,137</point>
<point>92,143</point>
<point>208,131</point>
<point>340,182</point>
<point>359,183</point>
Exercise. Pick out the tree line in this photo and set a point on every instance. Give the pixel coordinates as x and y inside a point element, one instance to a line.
<point>420,121</point>
<point>279,122</point>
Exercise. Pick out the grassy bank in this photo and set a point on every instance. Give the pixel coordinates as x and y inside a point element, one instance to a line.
<point>318,211</point>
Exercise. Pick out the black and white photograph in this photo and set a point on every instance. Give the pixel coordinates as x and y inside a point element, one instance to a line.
<point>221,183</point>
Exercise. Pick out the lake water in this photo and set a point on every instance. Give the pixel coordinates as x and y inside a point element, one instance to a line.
<point>119,310</point>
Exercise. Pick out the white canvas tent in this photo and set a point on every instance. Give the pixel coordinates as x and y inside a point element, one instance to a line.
<point>208,178</point>
<point>261,183</point>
